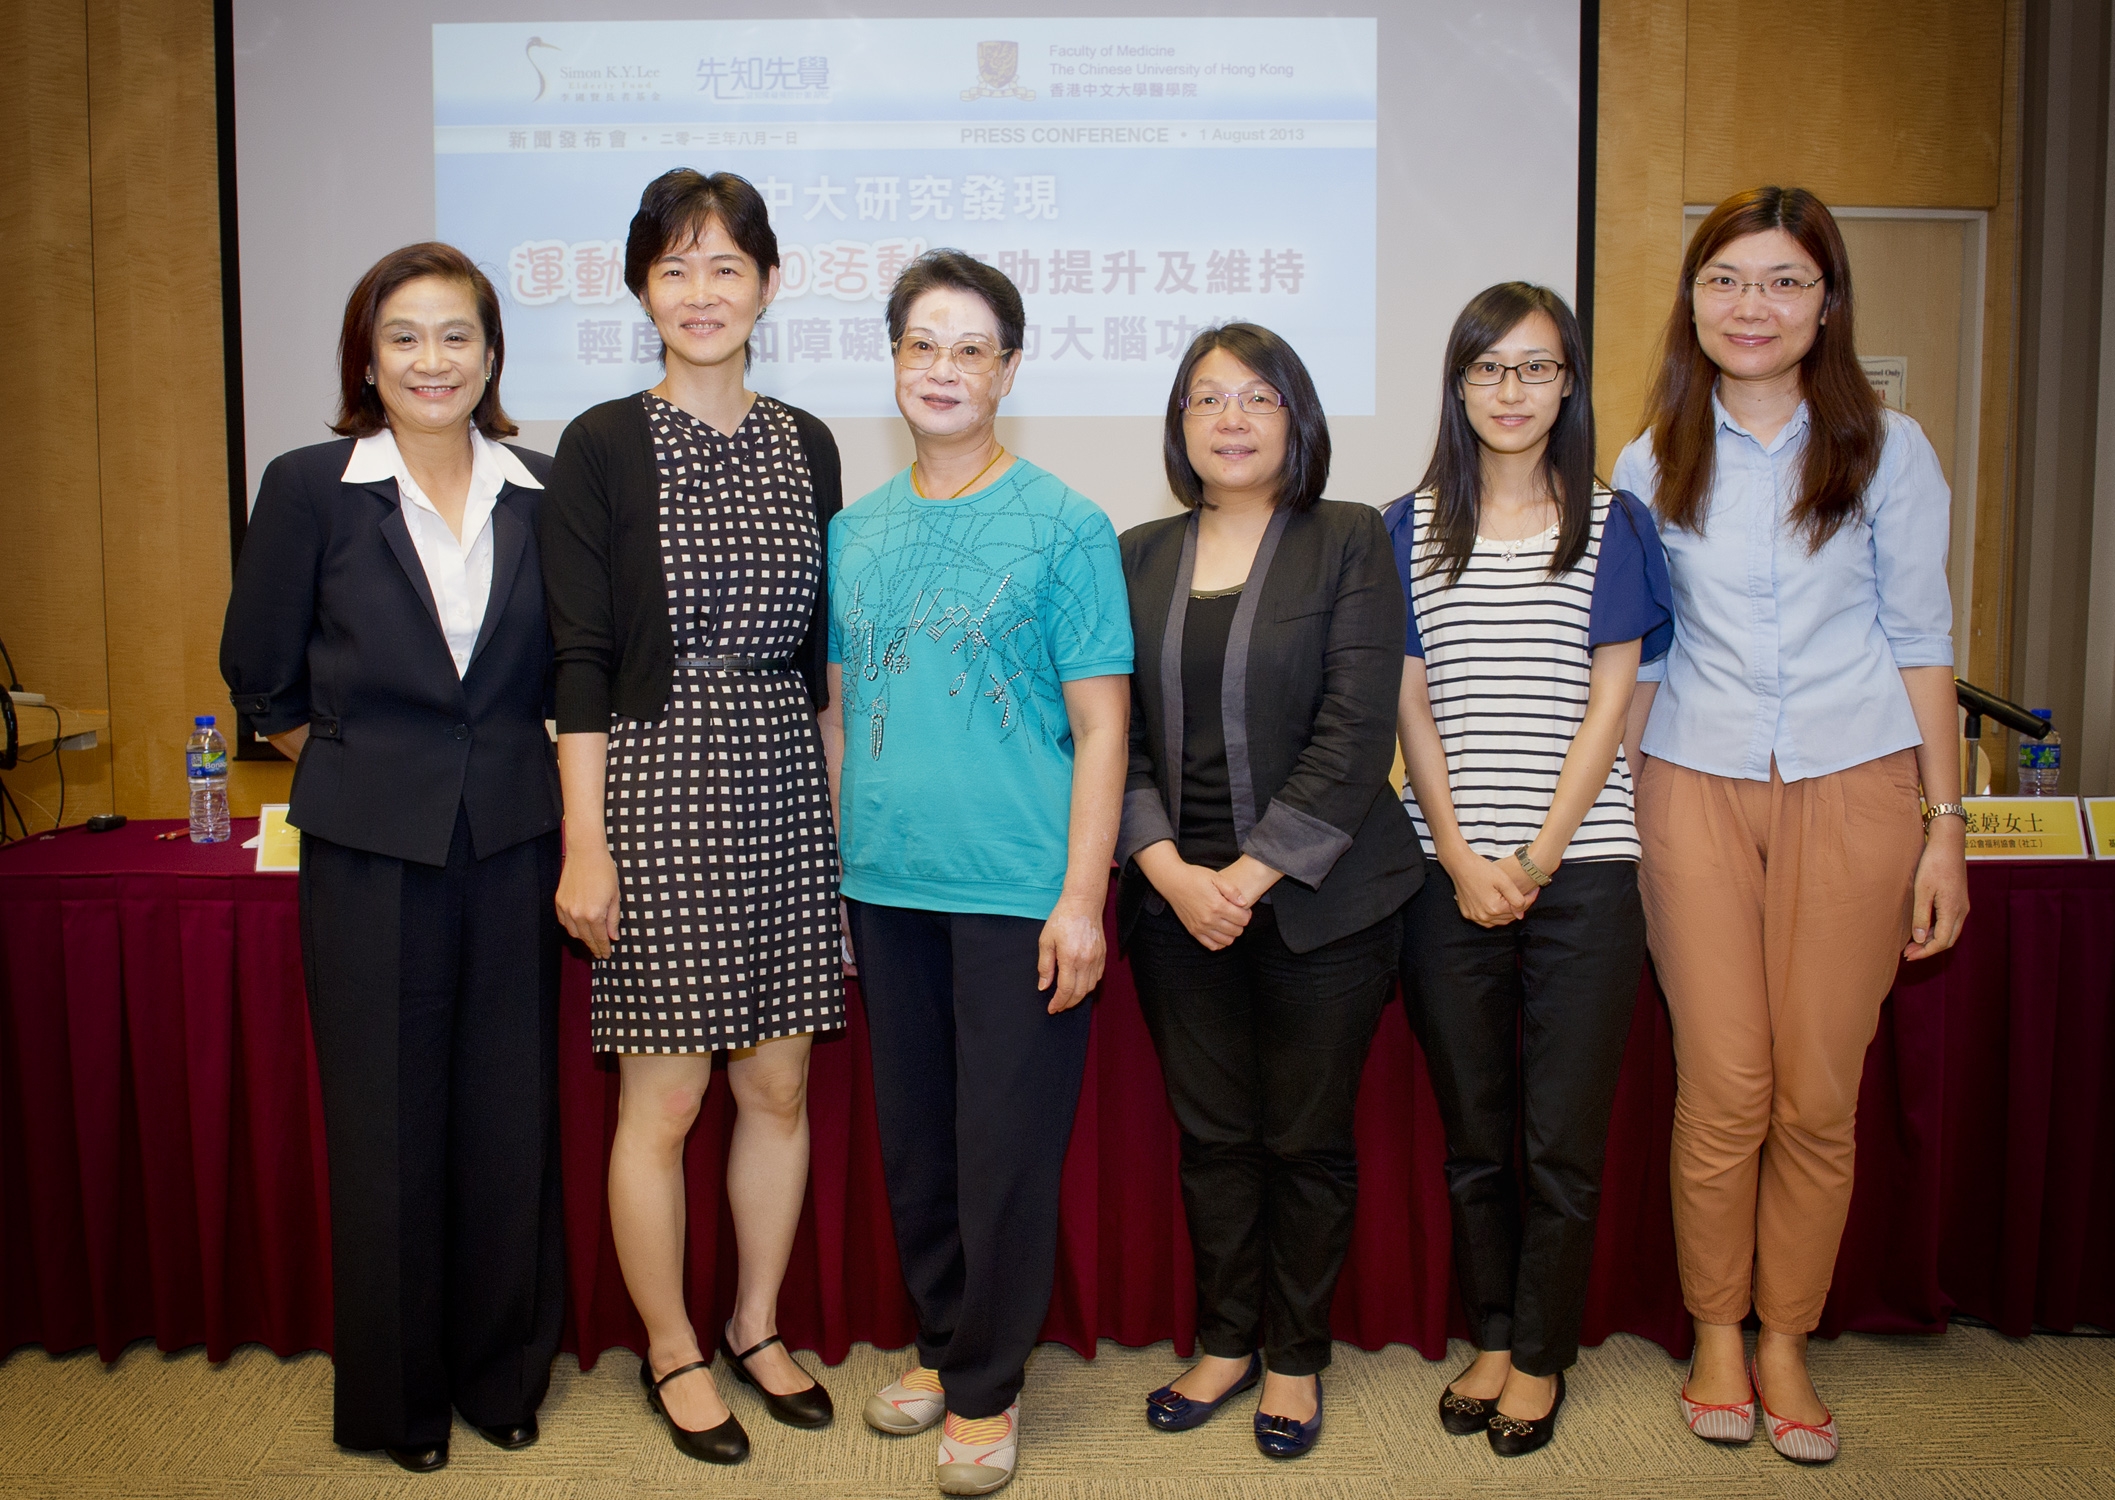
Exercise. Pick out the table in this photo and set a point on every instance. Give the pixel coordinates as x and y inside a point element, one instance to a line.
<point>162,1153</point>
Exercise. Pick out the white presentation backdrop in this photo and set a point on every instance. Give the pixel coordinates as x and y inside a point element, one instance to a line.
<point>1348,180</point>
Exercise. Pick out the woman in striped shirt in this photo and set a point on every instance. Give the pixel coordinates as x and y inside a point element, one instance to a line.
<point>1533,594</point>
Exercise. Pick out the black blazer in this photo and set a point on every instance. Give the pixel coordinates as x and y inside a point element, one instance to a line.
<point>601,536</point>
<point>332,624</point>
<point>1314,669</point>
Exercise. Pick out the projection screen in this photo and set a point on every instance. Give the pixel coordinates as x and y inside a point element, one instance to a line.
<point>1347,177</point>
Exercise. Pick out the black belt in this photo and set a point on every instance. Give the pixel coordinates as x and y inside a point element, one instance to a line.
<point>736,663</point>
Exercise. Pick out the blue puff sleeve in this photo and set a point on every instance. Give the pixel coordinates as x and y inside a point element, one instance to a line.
<point>1402,527</point>
<point>1633,597</point>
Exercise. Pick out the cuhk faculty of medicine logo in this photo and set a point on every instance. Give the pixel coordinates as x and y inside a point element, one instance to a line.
<point>998,65</point>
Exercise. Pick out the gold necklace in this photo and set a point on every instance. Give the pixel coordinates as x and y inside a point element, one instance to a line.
<point>919,489</point>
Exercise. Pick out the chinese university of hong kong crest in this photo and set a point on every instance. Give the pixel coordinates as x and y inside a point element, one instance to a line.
<point>998,65</point>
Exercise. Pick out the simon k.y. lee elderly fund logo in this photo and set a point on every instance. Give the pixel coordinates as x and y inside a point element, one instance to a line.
<point>998,66</point>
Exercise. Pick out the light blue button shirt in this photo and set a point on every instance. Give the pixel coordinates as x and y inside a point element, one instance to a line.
<point>1786,653</point>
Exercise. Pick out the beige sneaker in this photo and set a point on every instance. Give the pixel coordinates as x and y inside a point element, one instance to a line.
<point>908,1405</point>
<point>977,1453</point>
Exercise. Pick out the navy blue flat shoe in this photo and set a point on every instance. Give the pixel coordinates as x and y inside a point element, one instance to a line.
<point>1288,1437</point>
<point>1171,1411</point>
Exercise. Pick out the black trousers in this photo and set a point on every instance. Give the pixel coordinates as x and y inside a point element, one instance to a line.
<point>1524,1028</point>
<point>1262,1049</point>
<point>433,997</point>
<point>975,1085</point>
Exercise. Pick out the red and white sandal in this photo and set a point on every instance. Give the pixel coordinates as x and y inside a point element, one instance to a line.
<point>1728,1422</point>
<point>1801,1442</point>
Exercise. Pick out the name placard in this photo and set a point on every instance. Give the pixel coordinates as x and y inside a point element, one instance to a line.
<point>2100,826</point>
<point>278,841</point>
<point>2025,828</point>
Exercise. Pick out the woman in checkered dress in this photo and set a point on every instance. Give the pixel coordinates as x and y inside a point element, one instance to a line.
<point>684,555</point>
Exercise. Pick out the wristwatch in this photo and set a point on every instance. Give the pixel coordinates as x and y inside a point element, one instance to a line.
<point>1944,810</point>
<point>1534,871</point>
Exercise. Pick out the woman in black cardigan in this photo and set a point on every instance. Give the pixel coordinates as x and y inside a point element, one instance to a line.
<point>683,547</point>
<point>1266,859</point>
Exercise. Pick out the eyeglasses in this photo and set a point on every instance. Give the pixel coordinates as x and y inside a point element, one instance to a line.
<point>1256,403</point>
<point>970,357</point>
<point>1776,289</point>
<point>1530,371</point>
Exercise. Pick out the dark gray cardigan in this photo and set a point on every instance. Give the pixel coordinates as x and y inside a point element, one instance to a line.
<point>599,530</point>
<point>1314,666</point>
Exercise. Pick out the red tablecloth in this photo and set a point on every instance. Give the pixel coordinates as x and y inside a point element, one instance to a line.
<point>162,1152</point>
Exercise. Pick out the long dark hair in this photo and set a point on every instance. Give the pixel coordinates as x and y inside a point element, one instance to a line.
<point>1845,427</point>
<point>360,411</point>
<point>1455,475</point>
<point>1306,468</point>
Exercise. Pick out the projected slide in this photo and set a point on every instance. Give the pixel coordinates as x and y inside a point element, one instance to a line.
<point>1138,180</point>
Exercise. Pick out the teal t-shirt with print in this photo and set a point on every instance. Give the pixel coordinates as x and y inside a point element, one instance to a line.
<point>956,624</point>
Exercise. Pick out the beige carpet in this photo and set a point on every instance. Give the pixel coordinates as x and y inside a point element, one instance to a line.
<point>1972,1414</point>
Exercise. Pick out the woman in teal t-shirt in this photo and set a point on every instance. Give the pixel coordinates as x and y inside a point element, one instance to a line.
<point>980,650</point>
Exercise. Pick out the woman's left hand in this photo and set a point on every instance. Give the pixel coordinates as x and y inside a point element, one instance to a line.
<point>1938,902</point>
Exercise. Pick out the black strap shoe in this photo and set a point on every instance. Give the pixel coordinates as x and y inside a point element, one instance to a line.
<point>724,1444</point>
<point>808,1408</point>
<point>420,1460</point>
<point>1512,1437</point>
<point>515,1435</point>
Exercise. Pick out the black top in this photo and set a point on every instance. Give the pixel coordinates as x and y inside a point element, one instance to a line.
<point>1314,666</point>
<point>601,542</point>
<point>331,623</point>
<point>1207,835</point>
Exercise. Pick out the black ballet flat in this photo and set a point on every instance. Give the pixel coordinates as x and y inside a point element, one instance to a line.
<point>808,1408</point>
<point>724,1444</point>
<point>420,1460</point>
<point>1514,1437</point>
<point>1464,1416</point>
<point>513,1435</point>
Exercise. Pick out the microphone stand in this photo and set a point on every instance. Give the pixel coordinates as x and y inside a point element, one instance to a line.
<point>1980,702</point>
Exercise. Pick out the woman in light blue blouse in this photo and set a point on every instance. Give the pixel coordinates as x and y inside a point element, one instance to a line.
<point>1806,700</point>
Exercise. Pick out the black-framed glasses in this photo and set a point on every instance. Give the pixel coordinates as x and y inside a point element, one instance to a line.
<point>1530,371</point>
<point>1724,288</point>
<point>970,357</point>
<point>1252,403</point>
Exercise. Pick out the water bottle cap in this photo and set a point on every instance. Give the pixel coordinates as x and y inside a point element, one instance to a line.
<point>2042,713</point>
<point>203,721</point>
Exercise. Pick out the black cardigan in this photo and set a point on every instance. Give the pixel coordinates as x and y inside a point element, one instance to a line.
<point>1314,670</point>
<point>599,530</point>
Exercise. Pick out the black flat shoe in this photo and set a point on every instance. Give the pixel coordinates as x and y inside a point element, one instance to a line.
<point>1171,1411</point>
<point>515,1435</point>
<point>420,1460</point>
<point>1512,1437</point>
<point>808,1408</point>
<point>1464,1416</point>
<point>724,1444</point>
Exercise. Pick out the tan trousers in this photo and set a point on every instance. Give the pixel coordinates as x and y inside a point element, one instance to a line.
<point>1776,916</point>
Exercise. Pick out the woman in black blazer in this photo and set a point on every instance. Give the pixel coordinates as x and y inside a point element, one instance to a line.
<point>683,549</point>
<point>386,630</point>
<point>1265,859</point>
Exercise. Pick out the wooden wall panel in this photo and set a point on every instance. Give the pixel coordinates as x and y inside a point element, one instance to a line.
<point>1637,207</point>
<point>1890,105</point>
<point>159,385</point>
<point>51,582</point>
<point>1989,645</point>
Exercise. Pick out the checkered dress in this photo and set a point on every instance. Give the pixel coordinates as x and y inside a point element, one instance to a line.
<point>719,813</point>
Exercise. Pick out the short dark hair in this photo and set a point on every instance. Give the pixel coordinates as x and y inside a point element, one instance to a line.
<point>1455,475</point>
<point>676,207</point>
<point>1306,469</point>
<point>965,273</point>
<point>360,412</point>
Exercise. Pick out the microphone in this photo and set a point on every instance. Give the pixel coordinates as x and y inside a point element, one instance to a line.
<point>1981,703</point>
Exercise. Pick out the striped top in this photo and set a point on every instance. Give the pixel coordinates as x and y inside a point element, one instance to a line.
<point>1508,654</point>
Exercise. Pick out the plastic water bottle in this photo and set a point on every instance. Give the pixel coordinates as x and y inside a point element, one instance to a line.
<point>2040,761</point>
<point>206,765</point>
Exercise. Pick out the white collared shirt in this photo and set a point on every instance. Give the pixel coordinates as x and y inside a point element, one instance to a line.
<point>458,572</point>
